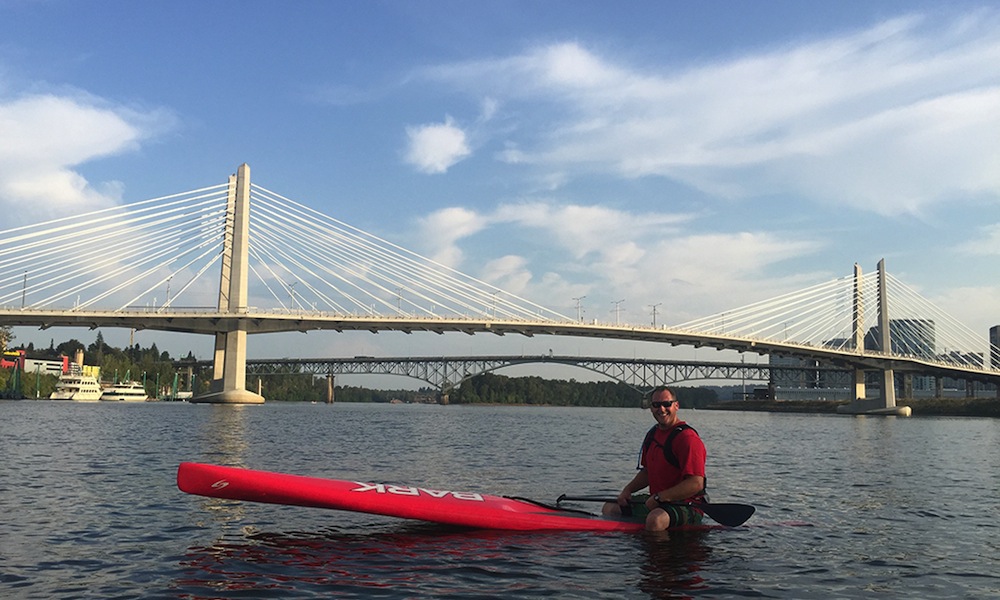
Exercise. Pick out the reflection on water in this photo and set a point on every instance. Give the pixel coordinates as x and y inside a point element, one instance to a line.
<point>436,561</point>
<point>406,561</point>
<point>224,440</point>
<point>673,563</point>
<point>224,434</point>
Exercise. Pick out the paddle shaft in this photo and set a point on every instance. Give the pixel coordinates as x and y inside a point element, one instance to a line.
<point>731,515</point>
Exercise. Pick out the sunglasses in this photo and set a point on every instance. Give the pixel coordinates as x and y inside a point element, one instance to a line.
<point>661,404</point>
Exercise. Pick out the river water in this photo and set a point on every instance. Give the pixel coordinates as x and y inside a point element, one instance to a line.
<point>847,507</point>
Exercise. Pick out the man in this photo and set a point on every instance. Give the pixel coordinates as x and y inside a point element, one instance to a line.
<point>671,464</point>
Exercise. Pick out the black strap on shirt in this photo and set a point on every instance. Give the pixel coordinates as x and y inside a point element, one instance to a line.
<point>668,444</point>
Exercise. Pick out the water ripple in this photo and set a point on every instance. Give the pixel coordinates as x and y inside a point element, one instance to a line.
<point>847,507</point>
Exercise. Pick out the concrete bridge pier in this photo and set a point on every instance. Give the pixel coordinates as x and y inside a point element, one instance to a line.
<point>885,404</point>
<point>230,372</point>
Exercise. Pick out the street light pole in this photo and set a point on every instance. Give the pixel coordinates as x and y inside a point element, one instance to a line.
<point>618,304</point>
<point>579,308</point>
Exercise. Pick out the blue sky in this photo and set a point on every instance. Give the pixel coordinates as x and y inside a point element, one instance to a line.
<point>698,156</point>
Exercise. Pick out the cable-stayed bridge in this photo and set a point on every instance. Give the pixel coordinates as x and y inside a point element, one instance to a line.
<point>237,259</point>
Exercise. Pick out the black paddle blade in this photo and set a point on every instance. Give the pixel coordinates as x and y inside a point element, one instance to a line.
<point>730,515</point>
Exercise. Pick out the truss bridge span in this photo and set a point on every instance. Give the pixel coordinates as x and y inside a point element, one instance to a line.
<point>448,372</point>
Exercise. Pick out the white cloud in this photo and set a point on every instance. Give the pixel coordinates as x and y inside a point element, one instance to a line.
<point>509,273</point>
<point>44,137</point>
<point>442,230</point>
<point>987,243</point>
<point>694,274</point>
<point>601,252</point>
<point>976,305</point>
<point>591,230</point>
<point>490,106</point>
<point>437,147</point>
<point>891,119</point>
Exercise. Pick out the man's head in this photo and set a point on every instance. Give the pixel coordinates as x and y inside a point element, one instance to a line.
<point>663,404</point>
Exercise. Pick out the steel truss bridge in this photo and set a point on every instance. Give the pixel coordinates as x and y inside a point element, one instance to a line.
<point>447,373</point>
<point>236,259</point>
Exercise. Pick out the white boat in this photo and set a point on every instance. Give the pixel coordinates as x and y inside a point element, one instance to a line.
<point>81,388</point>
<point>126,391</point>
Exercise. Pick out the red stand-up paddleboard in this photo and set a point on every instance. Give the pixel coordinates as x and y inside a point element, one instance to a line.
<point>467,509</point>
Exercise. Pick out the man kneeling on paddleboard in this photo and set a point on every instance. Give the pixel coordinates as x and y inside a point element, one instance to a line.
<point>671,465</point>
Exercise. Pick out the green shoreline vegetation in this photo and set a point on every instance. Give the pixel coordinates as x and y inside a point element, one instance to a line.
<point>484,389</point>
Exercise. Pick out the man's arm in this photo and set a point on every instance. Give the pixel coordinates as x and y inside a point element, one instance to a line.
<point>689,486</point>
<point>638,482</point>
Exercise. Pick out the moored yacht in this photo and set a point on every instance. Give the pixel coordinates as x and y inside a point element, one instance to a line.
<point>81,388</point>
<point>126,391</point>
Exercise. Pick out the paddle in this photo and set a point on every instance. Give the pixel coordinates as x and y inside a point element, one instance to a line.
<point>730,515</point>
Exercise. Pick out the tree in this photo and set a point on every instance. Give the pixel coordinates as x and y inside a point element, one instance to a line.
<point>99,348</point>
<point>6,337</point>
<point>69,348</point>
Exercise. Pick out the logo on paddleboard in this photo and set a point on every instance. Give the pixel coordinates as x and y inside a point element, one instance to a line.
<point>401,490</point>
<point>218,485</point>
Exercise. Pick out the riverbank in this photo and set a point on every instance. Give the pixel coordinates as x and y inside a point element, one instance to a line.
<point>932,407</point>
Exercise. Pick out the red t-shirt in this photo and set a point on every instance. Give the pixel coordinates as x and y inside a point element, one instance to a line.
<point>690,453</point>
